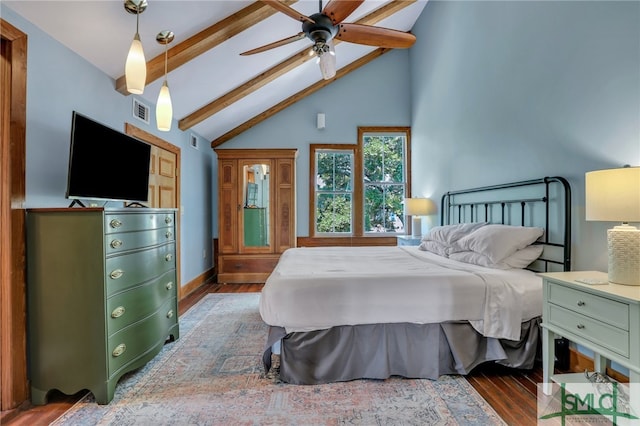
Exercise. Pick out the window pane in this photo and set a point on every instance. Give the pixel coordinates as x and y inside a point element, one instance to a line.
<point>333,171</point>
<point>383,208</point>
<point>333,213</point>
<point>383,157</point>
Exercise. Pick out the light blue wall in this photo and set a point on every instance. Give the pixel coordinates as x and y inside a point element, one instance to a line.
<point>59,82</point>
<point>501,90</point>
<point>375,95</point>
<point>507,91</point>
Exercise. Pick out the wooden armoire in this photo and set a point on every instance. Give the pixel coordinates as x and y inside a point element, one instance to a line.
<point>256,211</point>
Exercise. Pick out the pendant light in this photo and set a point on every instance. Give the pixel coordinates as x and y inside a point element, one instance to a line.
<point>135,70</point>
<point>164,110</point>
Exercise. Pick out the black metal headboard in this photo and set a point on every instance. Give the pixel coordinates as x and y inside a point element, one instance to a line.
<point>544,202</point>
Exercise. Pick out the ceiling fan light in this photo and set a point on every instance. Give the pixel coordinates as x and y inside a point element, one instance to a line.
<point>136,67</point>
<point>327,66</point>
<point>164,110</point>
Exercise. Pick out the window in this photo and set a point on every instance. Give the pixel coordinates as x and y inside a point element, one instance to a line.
<point>385,180</point>
<point>332,166</point>
<point>358,190</point>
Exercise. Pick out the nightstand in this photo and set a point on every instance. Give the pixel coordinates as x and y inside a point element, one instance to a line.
<point>602,317</point>
<point>408,240</point>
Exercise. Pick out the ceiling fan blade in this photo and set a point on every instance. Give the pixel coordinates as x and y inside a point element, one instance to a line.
<point>339,10</point>
<point>375,36</point>
<point>288,10</point>
<point>278,43</point>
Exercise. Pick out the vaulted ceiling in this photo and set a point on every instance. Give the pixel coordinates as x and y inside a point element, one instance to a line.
<point>215,91</point>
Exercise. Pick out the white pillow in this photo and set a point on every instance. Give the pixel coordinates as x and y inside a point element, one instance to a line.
<point>435,247</point>
<point>524,257</point>
<point>518,260</point>
<point>449,234</point>
<point>497,241</point>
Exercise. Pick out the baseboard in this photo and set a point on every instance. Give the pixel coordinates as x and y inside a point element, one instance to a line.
<point>197,282</point>
<point>579,362</point>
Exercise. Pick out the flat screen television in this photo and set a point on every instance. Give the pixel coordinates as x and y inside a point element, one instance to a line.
<point>105,164</point>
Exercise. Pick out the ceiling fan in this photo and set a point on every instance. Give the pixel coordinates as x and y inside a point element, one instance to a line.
<point>322,27</point>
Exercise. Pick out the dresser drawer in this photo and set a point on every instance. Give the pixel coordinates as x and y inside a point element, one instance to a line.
<point>139,302</point>
<point>130,269</point>
<point>126,221</point>
<point>247,264</point>
<point>612,338</point>
<point>600,308</point>
<point>137,339</point>
<point>123,241</point>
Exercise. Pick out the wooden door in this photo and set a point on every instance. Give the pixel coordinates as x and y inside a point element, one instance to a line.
<point>162,178</point>
<point>228,199</point>
<point>285,204</point>
<point>164,169</point>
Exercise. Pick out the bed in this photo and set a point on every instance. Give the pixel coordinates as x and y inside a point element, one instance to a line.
<point>469,294</point>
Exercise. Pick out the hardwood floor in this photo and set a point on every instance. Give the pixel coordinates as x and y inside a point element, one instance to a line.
<point>512,393</point>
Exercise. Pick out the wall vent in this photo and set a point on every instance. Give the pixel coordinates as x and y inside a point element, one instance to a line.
<point>194,141</point>
<point>140,111</point>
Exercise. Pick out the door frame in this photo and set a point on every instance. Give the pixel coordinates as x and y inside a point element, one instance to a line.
<point>14,387</point>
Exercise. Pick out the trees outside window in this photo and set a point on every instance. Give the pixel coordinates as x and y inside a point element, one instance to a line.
<point>384,181</point>
<point>334,191</point>
<point>359,189</point>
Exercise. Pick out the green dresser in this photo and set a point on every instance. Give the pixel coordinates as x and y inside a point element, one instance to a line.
<point>102,296</point>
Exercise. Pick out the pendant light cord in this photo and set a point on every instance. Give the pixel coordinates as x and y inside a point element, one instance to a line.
<point>165,61</point>
<point>137,19</point>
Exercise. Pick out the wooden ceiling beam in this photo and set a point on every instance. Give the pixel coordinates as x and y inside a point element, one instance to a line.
<point>278,70</point>
<point>298,96</point>
<point>203,41</point>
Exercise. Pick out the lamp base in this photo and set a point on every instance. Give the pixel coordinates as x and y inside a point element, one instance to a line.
<point>416,226</point>
<point>623,243</point>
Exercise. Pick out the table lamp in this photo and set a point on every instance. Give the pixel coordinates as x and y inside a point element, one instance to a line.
<point>613,195</point>
<point>416,207</point>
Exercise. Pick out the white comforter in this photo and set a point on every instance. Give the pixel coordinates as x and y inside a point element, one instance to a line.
<point>318,288</point>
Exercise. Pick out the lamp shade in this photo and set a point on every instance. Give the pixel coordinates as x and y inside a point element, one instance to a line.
<point>135,69</point>
<point>164,110</point>
<point>613,195</point>
<point>418,206</point>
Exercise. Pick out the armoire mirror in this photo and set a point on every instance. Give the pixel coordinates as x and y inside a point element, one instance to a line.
<point>255,211</point>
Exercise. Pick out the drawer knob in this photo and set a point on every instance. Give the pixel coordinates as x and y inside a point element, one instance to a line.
<point>580,303</point>
<point>119,350</point>
<point>169,285</point>
<point>168,219</point>
<point>115,223</point>
<point>118,312</point>
<point>169,234</point>
<point>116,274</point>
<point>170,314</point>
<point>116,243</point>
<point>168,257</point>
<point>580,326</point>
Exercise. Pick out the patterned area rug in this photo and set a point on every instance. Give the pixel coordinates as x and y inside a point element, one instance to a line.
<point>213,375</point>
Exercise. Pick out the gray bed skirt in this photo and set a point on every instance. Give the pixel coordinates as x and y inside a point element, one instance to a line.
<point>379,351</point>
